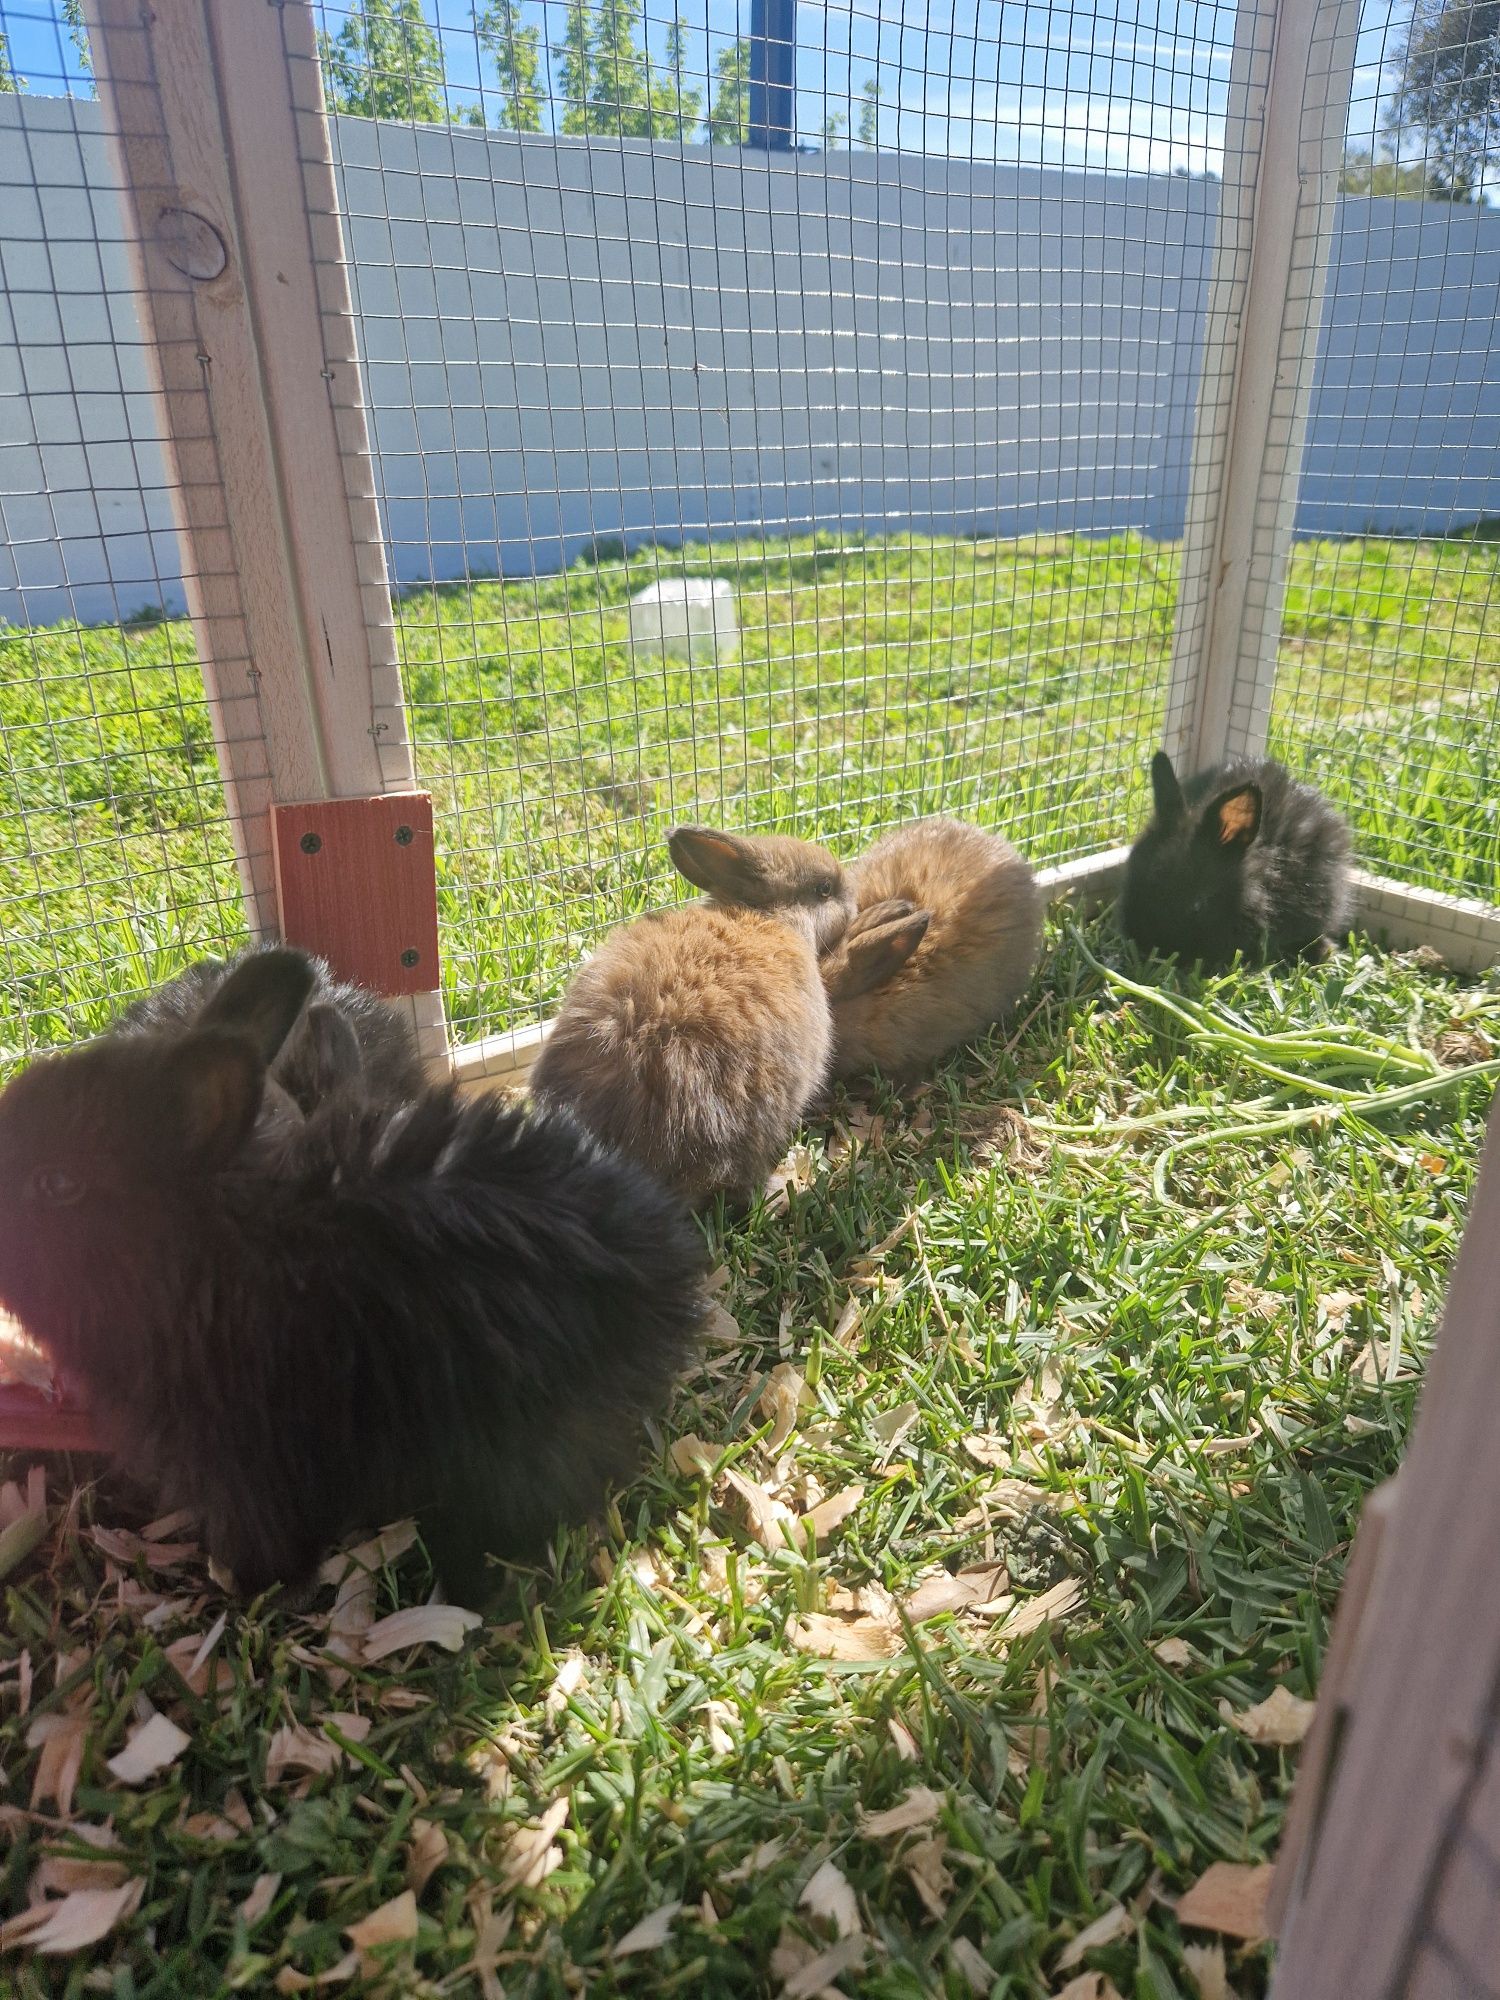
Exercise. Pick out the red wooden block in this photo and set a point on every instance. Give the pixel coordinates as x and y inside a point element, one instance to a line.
<point>356,883</point>
<point>30,1421</point>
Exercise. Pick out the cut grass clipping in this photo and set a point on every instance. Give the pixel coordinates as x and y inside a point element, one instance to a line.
<point>959,1633</point>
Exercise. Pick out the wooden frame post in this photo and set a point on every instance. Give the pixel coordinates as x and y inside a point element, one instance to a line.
<point>1283,146</point>
<point>215,111</point>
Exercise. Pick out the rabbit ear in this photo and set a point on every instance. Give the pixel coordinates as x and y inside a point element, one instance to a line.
<point>1233,819</point>
<point>874,915</point>
<point>211,1092</point>
<point>722,863</point>
<point>871,957</point>
<point>336,1057</point>
<point>1166,791</point>
<point>261,999</point>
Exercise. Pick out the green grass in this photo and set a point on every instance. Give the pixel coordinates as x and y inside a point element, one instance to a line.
<point>1021,683</point>
<point>1181,1378</point>
<point>1186,1303</point>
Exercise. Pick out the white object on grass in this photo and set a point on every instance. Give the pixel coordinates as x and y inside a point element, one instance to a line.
<point>686,618</point>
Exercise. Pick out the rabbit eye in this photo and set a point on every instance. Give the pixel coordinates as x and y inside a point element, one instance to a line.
<point>56,1188</point>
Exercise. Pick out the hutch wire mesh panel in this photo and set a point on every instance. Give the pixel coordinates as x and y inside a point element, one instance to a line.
<point>916,379</point>
<point>976,357</point>
<point>116,858</point>
<point>1397,714</point>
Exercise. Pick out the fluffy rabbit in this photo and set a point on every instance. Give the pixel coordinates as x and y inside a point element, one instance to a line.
<point>695,1037</point>
<point>444,1308</point>
<point>1242,858</point>
<point>214,990</point>
<point>972,961</point>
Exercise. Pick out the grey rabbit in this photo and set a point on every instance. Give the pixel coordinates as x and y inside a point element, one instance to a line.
<point>695,1038</point>
<point>384,1046</point>
<point>1242,858</point>
<point>441,1307</point>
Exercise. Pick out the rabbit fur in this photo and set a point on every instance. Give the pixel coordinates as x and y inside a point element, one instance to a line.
<point>695,1037</point>
<point>1242,858</point>
<point>973,960</point>
<point>388,1062</point>
<point>441,1307</point>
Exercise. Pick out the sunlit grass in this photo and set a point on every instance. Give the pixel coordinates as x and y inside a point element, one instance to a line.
<point>1020,683</point>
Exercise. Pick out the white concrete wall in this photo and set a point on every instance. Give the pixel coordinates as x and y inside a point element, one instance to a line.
<point>569,340</point>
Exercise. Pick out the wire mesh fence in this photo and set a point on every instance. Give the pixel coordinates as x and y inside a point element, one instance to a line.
<point>116,856</point>
<point>1388,690</point>
<point>899,404</point>
<point>917,388</point>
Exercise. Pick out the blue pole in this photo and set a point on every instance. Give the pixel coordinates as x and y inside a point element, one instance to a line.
<point>773,73</point>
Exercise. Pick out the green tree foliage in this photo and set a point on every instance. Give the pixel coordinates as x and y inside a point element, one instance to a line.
<point>516,52</point>
<point>869,113</point>
<point>679,111</point>
<point>78,34</point>
<point>1380,173</point>
<point>1448,92</point>
<point>609,84</point>
<point>835,131</point>
<point>575,67</point>
<point>385,62</point>
<point>729,110</point>
<point>11,85</point>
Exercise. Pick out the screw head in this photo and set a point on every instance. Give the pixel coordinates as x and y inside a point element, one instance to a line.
<point>310,842</point>
<point>410,957</point>
<point>404,836</point>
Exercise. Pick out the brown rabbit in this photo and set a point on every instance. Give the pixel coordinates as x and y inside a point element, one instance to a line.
<point>695,1037</point>
<point>968,965</point>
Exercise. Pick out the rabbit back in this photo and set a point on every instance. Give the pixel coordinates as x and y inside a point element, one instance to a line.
<point>1275,883</point>
<point>976,959</point>
<point>693,1041</point>
<point>443,1308</point>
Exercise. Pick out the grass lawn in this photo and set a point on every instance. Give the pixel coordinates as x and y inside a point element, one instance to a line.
<point>1043,1397</point>
<point>1020,683</point>
<point>986,1324</point>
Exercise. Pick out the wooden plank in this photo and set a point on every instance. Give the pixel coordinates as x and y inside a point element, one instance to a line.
<point>1284,128</point>
<point>1459,1951</point>
<point>162,185</point>
<point>1443,1972</point>
<point>355,883</point>
<point>1466,932</point>
<point>216,112</point>
<point>262,56</point>
<point>1335,1698</point>
<point>30,1421</point>
<point>1422,1714</point>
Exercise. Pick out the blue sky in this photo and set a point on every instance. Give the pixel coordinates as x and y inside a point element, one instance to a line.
<point>1134,85</point>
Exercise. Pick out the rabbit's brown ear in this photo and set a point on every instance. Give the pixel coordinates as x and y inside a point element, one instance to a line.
<point>867,960</point>
<point>211,1092</point>
<point>874,915</point>
<point>1233,820</point>
<point>722,863</point>
<point>261,999</point>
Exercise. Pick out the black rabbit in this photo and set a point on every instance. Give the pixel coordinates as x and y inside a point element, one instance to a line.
<point>445,1307</point>
<point>218,992</point>
<point>1243,858</point>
